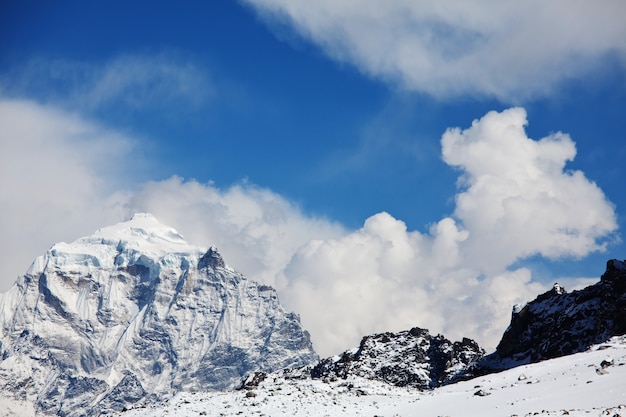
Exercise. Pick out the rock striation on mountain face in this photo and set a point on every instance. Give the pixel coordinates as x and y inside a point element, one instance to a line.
<point>411,358</point>
<point>559,323</point>
<point>135,312</point>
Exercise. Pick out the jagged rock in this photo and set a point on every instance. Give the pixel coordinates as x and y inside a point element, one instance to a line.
<point>482,393</point>
<point>211,259</point>
<point>558,323</point>
<point>253,380</point>
<point>409,358</point>
<point>605,363</point>
<point>135,311</point>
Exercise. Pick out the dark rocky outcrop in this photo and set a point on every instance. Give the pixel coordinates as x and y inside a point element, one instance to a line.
<point>559,323</point>
<point>211,258</point>
<point>411,358</point>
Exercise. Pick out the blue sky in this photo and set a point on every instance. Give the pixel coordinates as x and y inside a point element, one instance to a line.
<point>284,130</point>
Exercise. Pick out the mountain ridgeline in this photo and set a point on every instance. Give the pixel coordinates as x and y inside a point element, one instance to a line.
<point>555,324</point>
<point>134,314</point>
<point>558,323</point>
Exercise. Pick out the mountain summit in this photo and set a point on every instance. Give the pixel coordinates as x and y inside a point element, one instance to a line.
<point>134,311</point>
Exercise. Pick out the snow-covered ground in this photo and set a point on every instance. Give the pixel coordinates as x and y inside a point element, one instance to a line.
<point>592,383</point>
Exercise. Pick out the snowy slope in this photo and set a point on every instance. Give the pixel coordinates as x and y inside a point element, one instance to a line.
<point>574,385</point>
<point>133,311</point>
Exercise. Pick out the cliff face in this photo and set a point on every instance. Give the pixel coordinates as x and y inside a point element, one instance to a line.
<point>134,311</point>
<point>559,323</point>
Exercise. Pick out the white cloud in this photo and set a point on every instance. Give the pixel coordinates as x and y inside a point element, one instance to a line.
<point>132,82</point>
<point>255,229</point>
<point>61,177</point>
<point>518,198</point>
<point>385,278</point>
<point>445,48</point>
<point>516,201</point>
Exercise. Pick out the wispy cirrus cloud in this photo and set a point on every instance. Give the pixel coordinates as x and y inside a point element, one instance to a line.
<point>131,82</point>
<point>511,51</point>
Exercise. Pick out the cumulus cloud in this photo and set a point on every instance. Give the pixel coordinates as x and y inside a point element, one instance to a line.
<point>63,176</point>
<point>255,229</point>
<point>385,278</point>
<point>447,48</point>
<point>60,178</point>
<point>517,195</point>
<point>516,200</point>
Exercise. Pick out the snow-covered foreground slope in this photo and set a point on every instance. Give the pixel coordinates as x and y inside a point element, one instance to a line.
<point>591,383</point>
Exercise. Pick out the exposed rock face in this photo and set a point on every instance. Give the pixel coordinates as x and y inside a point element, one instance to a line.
<point>134,311</point>
<point>558,323</point>
<point>411,358</point>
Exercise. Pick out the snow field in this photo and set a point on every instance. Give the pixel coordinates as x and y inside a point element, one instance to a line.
<point>591,383</point>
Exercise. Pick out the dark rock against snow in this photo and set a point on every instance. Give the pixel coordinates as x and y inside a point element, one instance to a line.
<point>408,358</point>
<point>558,323</point>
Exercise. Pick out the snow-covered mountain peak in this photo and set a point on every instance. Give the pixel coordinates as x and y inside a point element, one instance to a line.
<point>131,311</point>
<point>143,231</point>
<point>140,240</point>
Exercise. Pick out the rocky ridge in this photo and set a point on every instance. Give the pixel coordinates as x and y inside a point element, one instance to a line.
<point>555,324</point>
<point>558,323</point>
<point>411,358</point>
<point>135,312</point>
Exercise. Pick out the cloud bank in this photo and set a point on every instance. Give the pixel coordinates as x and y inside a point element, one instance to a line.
<point>63,177</point>
<point>515,200</point>
<point>510,51</point>
<point>59,176</point>
<point>255,229</point>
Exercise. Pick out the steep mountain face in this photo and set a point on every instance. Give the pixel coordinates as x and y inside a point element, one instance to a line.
<point>134,311</point>
<point>411,358</point>
<point>559,323</point>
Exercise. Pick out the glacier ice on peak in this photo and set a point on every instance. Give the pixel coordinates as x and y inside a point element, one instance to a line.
<point>135,308</point>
